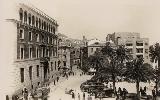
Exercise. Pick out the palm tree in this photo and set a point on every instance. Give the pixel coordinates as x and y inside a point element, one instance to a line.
<point>138,72</point>
<point>155,56</point>
<point>116,58</point>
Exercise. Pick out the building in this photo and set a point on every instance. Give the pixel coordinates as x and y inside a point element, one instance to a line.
<point>137,46</point>
<point>94,45</point>
<point>33,55</point>
<point>64,51</point>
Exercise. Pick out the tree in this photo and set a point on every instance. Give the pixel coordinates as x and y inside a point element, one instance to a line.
<point>138,72</point>
<point>116,60</point>
<point>155,56</point>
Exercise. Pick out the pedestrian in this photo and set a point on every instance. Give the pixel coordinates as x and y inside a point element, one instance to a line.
<point>145,88</point>
<point>141,90</point>
<point>120,92</point>
<point>154,94</point>
<point>25,93</point>
<point>111,86</point>
<point>57,79</point>
<point>54,82</point>
<point>83,96</point>
<point>78,96</point>
<point>73,96</point>
<point>124,93</point>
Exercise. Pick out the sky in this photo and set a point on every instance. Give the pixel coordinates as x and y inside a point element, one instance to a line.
<point>97,18</point>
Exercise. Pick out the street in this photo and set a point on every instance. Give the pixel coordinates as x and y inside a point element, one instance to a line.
<point>74,82</point>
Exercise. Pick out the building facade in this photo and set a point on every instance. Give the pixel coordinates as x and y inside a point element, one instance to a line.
<point>94,45</point>
<point>64,52</point>
<point>137,46</point>
<point>35,45</point>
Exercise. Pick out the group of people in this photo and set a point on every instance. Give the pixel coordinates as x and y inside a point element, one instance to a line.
<point>79,97</point>
<point>121,94</point>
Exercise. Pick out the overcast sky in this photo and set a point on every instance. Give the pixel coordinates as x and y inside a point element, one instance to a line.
<point>97,18</point>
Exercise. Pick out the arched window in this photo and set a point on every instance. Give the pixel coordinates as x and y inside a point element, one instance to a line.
<point>39,23</point>
<point>49,28</point>
<point>33,20</point>
<point>54,30</point>
<point>44,25</point>
<point>21,14</point>
<point>29,19</point>
<point>25,16</point>
<point>36,22</point>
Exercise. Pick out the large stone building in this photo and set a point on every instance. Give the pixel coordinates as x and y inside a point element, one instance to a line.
<point>33,48</point>
<point>137,46</point>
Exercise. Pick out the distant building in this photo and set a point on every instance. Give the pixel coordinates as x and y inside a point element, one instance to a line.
<point>64,52</point>
<point>137,46</point>
<point>34,46</point>
<point>94,45</point>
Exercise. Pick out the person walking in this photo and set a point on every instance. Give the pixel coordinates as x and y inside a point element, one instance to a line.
<point>83,96</point>
<point>154,94</point>
<point>79,96</point>
<point>73,96</point>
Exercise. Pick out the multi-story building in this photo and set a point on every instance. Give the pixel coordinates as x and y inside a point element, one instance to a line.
<point>64,51</point>
<point>137,46</point>
<point>34,59</point>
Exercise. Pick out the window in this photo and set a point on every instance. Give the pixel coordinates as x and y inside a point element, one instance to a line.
<point>96,49</point>
<point>25,16</point>
<point>21,34</point>
<point>39,23</point>
<point>91,49</point>
<point>55,42</point>
<point>43,39</point>
<point>21,53</point>
<point>22,74</point>
<point>37,70</point>
<point>33,20</point>
<point>129,44</point>
<point>30,72</point>
<point>139,43</point>
<point>21,14</point>
<point>47,52</point>
<point>49,28</point>
<point>55,65</point>
<point>43,51</point>
<point>30,36</point>
<point>37,52</point>
<point>37,37</point>
<point>44,25</point>
<point>30,52</point>
<point>48,39</point>
<point>36,22</point>
<point>51,66</point>
<point>54,30</point>
<point>64,63</point>
<point>51,40</point>
<point>139,56</point>
<point>139,50</point>
<point>29,19</point>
